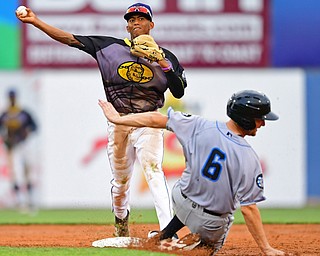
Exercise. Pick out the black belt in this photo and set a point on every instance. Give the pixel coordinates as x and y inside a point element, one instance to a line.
<point>204,209</point>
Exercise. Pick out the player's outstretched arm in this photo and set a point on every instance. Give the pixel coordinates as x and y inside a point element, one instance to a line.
<point>53,32</point>
<point>148,119</point>
<point>253,221</point>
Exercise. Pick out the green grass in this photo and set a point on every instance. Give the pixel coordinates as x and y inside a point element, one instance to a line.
<point>105,216</point>
<point>305,215</point>
<point>14,251</point>
<point>76,216</point>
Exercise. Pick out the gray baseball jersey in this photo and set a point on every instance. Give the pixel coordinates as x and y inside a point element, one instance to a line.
<point>222,169</point>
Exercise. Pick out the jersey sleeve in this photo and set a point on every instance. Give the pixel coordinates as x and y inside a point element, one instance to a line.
<point>30,123</point>
<point>251,189</point>
<point>177,81</point>
<point>93,44</point>
<point>182,124</point>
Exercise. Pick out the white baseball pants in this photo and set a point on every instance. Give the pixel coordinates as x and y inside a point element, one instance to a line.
<point>126,144</point>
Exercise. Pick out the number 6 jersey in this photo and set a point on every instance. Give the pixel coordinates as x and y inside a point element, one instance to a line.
<point>222,169</point>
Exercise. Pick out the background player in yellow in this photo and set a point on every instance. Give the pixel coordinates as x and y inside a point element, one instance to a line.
<point>16,125</point>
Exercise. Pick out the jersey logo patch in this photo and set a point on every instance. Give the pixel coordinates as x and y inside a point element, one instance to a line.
<point>259,181</point>
<point>185,114</point>
<point>135,72</point>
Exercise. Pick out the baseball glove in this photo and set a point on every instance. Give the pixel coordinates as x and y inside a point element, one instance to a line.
<point>144,46</point>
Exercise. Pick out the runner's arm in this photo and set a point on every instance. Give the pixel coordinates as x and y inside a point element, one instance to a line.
<point>253,221</point>
<point>148,119</point>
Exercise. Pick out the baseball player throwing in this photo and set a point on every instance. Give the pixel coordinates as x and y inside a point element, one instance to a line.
<point>221,171</point>
<point>135,74</point>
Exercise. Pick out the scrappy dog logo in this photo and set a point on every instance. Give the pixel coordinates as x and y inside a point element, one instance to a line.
<point>135,72</point>
<point>259,181</point>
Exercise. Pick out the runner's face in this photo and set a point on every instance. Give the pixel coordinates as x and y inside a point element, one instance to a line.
<point>139,25</point>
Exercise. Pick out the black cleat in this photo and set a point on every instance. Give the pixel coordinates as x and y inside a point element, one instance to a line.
<point>121,226</point>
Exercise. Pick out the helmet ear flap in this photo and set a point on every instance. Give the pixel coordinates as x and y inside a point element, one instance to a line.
<point>245,123</point>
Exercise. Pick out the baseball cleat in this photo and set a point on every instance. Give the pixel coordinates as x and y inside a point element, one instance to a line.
<point>152,233</point>
<point>122,226</point>
<point>187,243</point>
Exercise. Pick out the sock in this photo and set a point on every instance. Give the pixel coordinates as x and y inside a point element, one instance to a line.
<point>170,230</point>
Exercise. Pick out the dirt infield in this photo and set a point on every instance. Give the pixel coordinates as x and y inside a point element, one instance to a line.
<point>294,239</point>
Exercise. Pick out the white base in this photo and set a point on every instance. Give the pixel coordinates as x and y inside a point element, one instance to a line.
<point>117,242</point>
<point>187,242</point>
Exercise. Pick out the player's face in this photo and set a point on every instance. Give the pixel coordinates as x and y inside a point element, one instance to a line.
<point>139,25</point>
<point>259,123</point>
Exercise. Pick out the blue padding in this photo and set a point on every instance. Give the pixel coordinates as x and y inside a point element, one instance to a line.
<point>313,132</point>
<point>7,12</point>
<point>295,33</point>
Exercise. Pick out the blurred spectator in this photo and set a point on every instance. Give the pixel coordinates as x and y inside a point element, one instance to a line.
<point>16,125</point>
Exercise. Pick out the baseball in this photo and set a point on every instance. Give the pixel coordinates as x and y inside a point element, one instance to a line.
<point>21,10</point>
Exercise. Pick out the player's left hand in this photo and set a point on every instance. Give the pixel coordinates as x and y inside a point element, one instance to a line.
<point>144,46</point>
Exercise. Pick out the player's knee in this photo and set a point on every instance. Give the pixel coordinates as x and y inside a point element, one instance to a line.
<point>121,185</point>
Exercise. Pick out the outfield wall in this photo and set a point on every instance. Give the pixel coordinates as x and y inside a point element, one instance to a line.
<point>70,160</point>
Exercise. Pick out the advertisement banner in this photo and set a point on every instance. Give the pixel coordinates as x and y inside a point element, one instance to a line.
<point>202,33</point>
<point>71,164</point>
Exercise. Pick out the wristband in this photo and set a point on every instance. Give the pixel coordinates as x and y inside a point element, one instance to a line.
<point>166,69</point>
